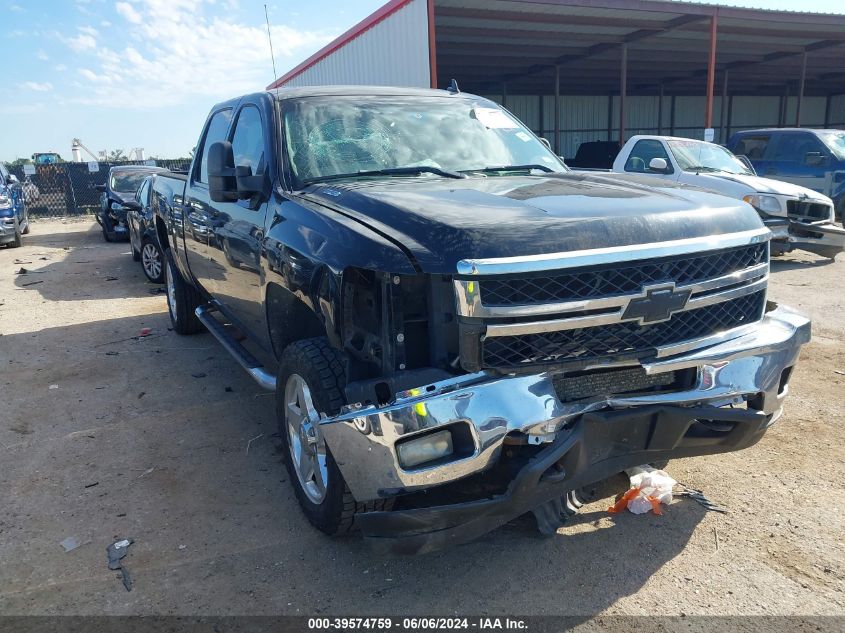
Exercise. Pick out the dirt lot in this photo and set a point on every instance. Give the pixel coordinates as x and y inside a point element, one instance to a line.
<point>166,440</point>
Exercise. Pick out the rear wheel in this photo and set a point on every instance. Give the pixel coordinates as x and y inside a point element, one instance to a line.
<point>182,299</point>
<point>17,241</point>
<point>310,382</point>
<point>151,261</point>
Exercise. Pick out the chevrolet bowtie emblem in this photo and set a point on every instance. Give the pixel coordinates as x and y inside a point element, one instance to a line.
<point>658,304</point>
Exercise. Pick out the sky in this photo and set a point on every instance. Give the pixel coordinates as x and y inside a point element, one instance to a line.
<point>121,74</point>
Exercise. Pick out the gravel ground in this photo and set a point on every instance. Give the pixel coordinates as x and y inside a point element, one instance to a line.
<point>166,440</point>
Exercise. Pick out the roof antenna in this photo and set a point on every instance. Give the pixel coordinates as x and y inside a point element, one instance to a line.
<point>453,87</point>
<point>270,38</point>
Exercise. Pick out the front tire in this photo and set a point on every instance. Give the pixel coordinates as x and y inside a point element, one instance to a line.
<point>17,241</point>
<point>182,299</point>
<point>310,382</point>
<point>152,261</point>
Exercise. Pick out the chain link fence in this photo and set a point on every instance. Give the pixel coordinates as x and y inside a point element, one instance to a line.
<point>63,189</point>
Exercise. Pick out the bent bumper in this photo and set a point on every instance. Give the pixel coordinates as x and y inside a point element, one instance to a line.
<point>827,240</point>
<point>591,438</point>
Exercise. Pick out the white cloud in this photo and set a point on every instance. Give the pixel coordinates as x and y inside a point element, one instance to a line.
<point>60,68</point>
<point>16,8</point>
<point>42,55</point>
<point>172,52</point>
<point>128,12</point>
<point>82,42</point>
<point>37,87</point>
<point>105,24</point>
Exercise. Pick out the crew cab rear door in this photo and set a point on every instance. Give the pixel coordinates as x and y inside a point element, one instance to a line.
<point>236,229</point>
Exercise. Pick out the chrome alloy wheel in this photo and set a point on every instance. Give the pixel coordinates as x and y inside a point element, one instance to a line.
<point>171,291</point>
<point>151,260</point>
<point>306,443</point>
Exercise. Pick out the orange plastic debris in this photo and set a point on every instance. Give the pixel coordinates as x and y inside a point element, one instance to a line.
<point>145,331</point>
<point>620,505</point>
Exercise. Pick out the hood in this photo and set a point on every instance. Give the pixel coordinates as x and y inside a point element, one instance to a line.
<point>442,221</point>
<point>758,184</point>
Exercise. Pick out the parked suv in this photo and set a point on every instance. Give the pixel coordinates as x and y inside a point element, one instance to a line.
<point>14,220</point>
<point>457,328</point>
<point>811,158</point>
<point>121,185</point>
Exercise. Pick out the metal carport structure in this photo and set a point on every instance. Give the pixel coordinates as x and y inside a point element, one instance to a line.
<point>578,70</point>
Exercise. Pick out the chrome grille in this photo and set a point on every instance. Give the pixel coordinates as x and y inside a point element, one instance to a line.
<point>575,315</point>
<point>609,281</point>
<point>620,339</point>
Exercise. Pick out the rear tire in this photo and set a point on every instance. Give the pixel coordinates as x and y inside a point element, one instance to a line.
<point>17,241</point>
<point>26,230</point>
<point>311,379</point>
<point>182,299</point>
<point>152,261</point>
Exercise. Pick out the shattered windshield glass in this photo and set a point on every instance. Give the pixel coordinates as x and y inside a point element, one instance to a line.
<point>835,141</point>
<point>342,136</point>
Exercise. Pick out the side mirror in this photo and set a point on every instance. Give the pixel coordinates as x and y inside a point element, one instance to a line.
<point>814,159</point>
<point>12,179</point>
<point>132,205</point>
<point>222,186</point>
<point>659,165</point>
<point>100,188</point>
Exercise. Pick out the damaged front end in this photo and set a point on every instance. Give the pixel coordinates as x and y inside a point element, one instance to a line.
<point>566,372</point>
<point>808,226</point>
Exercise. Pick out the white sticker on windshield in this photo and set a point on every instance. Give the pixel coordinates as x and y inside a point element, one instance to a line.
<point>494,119</point>
<point>522,136</point>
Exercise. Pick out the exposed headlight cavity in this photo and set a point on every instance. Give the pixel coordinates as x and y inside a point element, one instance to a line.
<point>426,448</point>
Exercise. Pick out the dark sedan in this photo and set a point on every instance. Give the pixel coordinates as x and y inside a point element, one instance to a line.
<point>121,186</point>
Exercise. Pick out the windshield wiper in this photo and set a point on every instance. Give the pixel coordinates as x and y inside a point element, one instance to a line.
<point>388,171</point>
<point>487,170</point>
<point>703,168</point>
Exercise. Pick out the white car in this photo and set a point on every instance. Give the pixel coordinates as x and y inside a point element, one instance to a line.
<point>799,218</point>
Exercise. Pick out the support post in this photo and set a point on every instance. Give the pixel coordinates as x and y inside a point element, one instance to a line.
<point>711,71</point>
<point>557,110</point>
<point>784,106</point>
<point>542,118</point>
<point>623,89</point>
<point>504,94</point>
<point>609,116</point>
<point>801,89</point>
<point>723,108</point>
<point>827,110</point>
<point>730,117</point>
<point>660,111</point>
<point>672,117</point>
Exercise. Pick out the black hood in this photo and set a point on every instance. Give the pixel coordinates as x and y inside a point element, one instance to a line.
<point>441,221</point>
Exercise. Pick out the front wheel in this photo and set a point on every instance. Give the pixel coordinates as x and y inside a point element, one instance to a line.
<point>17,241</point>
<point>310,382</point>
<point>151,261</point>
<point>182,299</point>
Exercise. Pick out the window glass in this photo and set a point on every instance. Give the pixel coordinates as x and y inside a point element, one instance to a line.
<point>643,153</point>
<point>217,128</point>
<point>794,147</point>
<point>343,136</point>
<point>126,181</point>
<point>698,156</point>
<point>835,141</point>
<point>754,147</point>
<point>143,193</point>
<point>248,140</point>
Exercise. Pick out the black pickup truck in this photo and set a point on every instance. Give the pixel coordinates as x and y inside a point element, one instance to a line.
<point>458,329</point>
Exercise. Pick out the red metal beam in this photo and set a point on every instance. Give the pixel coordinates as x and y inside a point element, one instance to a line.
<point>432,46</point>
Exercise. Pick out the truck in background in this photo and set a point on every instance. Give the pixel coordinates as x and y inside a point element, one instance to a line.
<point>799,218</point>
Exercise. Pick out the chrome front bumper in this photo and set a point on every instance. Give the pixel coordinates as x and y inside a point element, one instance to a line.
<point>748,363</point>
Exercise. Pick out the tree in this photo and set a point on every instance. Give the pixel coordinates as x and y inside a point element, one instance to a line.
<point>117,155</point>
